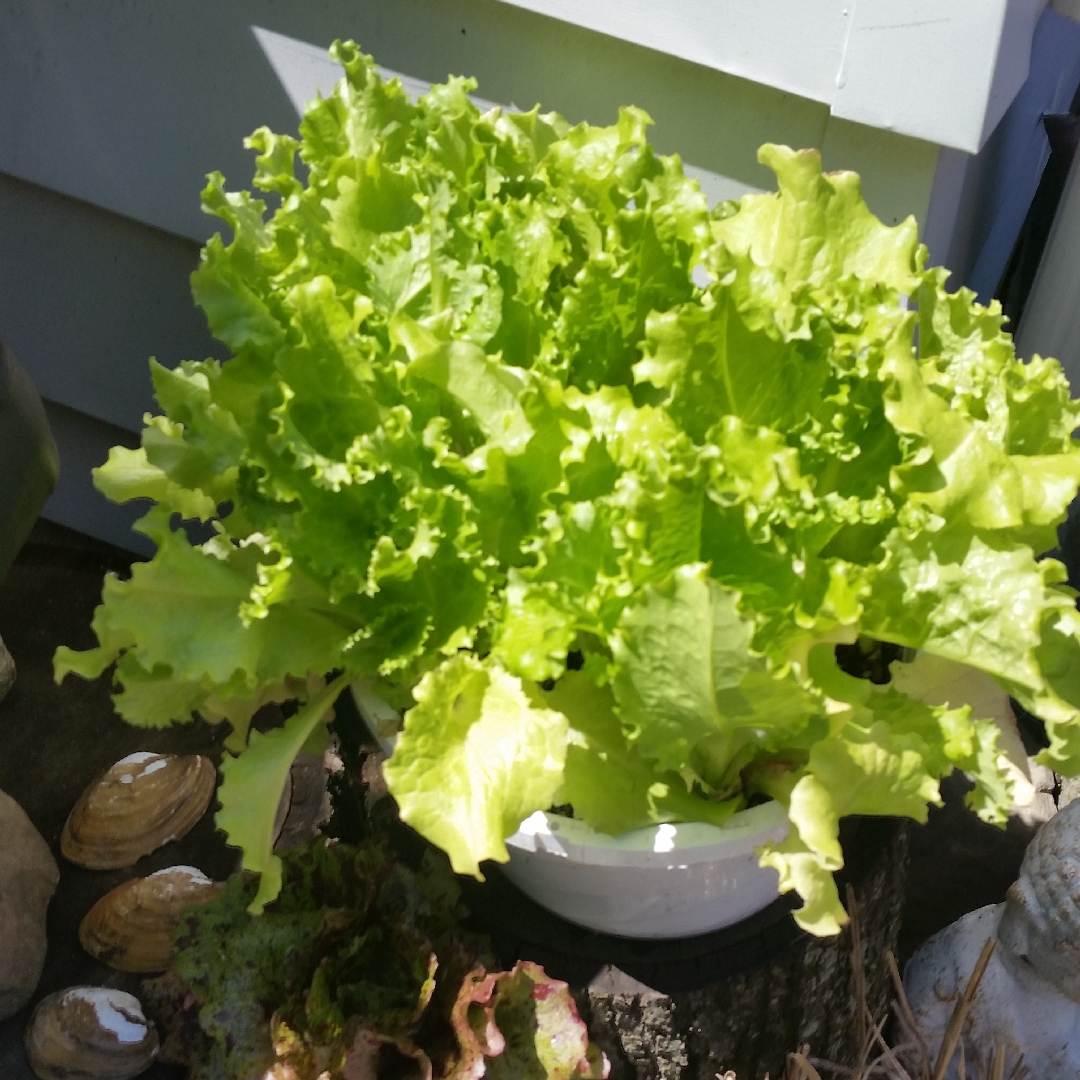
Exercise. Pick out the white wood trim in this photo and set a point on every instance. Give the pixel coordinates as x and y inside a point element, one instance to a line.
<point>793,45</point>
<point>940,70</point>
<point>943,209</point>
<point>306,71</point>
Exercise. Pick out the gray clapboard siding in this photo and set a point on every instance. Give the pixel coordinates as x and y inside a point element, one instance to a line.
<point>113,111</point>
<point>87,296</point>
<point>83,444</point>
<point>129,105</point>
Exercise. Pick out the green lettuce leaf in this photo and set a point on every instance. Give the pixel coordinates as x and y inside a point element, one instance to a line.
<point>883,757</point>
<point>608,783</point>
<point>505,397</point>
<point>129,475</point>
<point>687,678</point>
<point>475,758</point>
<point>251,788</point>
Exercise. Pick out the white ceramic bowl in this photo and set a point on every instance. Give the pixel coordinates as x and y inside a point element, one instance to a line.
<point>666,881</point>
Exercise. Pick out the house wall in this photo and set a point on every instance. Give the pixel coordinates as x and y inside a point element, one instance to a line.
<point>111,114</point>
<point>1051,321</point>
<point>888,64</point>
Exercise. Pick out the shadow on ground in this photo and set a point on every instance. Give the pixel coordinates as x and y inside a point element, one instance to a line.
<point>55,739</point>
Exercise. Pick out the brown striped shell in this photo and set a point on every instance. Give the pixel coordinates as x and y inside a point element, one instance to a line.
<point>90,1033</point>
<point>142,802</point>
<point>131,927</point>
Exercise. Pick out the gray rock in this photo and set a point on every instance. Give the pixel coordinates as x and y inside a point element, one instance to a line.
<point>1042,778</point>
<point>1070,790</point>
<point>1040,807</point>
<point>1039,810</point>
<point>28,877</point>
<point>636,1025</point>
<point>7,670</point>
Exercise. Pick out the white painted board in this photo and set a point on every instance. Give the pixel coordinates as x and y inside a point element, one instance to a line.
<point>940,70</point>
<point>793,45</point>
<point>944,70</point>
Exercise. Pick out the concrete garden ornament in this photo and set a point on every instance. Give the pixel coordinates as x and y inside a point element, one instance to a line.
<point>1029,998</point>
<point>591,483</point>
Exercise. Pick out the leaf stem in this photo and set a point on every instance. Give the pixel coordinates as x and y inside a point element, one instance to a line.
<point>259,774</point>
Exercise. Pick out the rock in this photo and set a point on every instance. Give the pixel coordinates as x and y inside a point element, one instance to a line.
<point>1070,789</point>
<point>1038,811</point>
<point>1042,778</point>
<point>636,1026</point>
<point>1029,998</point>
<point>28,878</point>
<point>7,670</point>
<point>1039,806</point>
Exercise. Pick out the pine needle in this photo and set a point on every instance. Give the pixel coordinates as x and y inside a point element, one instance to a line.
<point>806,1071</point>
<point>997,1067</point>
<point>907,1017</point>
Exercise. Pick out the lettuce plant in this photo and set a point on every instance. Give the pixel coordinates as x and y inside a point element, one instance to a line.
<point>590,481</point>
<point>362,969</point>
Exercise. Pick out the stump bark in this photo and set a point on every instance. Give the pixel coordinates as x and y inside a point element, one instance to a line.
<point>740,999</point>
<point>747,1023</point>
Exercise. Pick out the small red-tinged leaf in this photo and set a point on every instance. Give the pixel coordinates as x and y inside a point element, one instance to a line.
<point>521,1023</point>
<point>473,1018</point>
<point>545,1036</point>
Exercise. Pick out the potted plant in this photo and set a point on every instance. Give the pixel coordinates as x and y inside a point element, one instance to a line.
<point>589,482</point>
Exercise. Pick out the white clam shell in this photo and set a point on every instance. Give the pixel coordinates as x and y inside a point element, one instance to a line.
<point>90,1033</point>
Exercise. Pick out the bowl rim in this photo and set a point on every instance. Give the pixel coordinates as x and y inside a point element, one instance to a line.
<point>663,846</point>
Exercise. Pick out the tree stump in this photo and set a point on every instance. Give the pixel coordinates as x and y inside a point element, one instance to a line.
<point>739,999</point>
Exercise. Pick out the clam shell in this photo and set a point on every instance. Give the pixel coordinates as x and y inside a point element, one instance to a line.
<point>142,802</point>
<point>90,1033</point>
<point>131,927</point>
